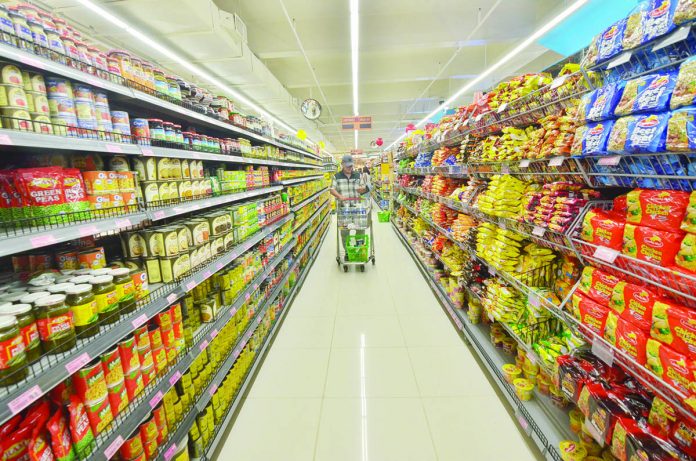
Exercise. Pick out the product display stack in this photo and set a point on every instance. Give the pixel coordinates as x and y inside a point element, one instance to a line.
<point>152,238</point>
<point>554,218</point>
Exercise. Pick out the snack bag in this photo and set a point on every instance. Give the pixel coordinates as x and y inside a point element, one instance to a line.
<point>591,314</point>
<point>649,93</point>
<point>662,414</point>
<point>604,101</point>
<point>610,327</point>
<point>662,210</point>
<point>631,339</point>
<point>74,190</point>
<point>80,429</point>
<point>619,134</point>
<point>681,131</point>
<point>647,133</point>
<point>597,285</point>
<point>39,446</point>
<point>610,42</point>
<point>659,19</point>
<point>42,190</point>
<point>603,228</point>
<point>686,257</point>
<point>685,90</point>
<point>689,223</point>
<point>635,24</point>
<point>651,245</point>
<point>620,204</point>
<point>675,326</point>
<point>595,140</point>
<point>685,11</point>
<point>675,368</point>
<point>684,436</point>
<point>60,437</point>
<point>634,303</point>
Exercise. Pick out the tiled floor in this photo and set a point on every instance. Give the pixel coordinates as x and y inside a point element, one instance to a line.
<point>367,367</point>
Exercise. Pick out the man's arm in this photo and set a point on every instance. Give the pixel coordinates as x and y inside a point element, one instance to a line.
<point>362,186</point>
<point>333,190</point>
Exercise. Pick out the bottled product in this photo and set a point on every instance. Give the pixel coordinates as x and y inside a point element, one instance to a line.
<point>55,324</point>
<point>27,327</point>
<point>107,301</point>
<point>13,358</point>
<point>83,305</point>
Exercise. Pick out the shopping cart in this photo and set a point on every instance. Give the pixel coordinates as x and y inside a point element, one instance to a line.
<point>355,243</point>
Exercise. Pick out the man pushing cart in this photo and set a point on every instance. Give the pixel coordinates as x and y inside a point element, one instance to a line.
<point>355,245</point>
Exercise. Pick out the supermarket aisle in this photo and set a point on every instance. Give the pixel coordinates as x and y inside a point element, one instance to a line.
<point>367,367</point>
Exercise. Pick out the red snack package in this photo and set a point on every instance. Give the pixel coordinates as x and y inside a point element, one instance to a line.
<point>662,416</point>
<point>16,444</point>
<point>9,426</point>
<point>655,246</point>
<point>659,209</point>
<point>60,437</point>
<point>684,437</point>
<point>591,314</point>
<point>675,326</point>
<point>37,415</point>
<point>80,429</point>
<point>631,339</point>
<point>39,448</point>
<point>620,205</point>
<point>675,368</point>
<point>634,303</point>
<point>603,228</point>
<point>597,285</point>
<point>74,190</point>
<point>41,189</point>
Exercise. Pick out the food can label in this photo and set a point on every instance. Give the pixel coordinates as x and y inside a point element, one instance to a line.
<point>11,352</point>
<point>106,302</point>
<point>51,328</point>
<point>85,314</point>
<point>30,334</point>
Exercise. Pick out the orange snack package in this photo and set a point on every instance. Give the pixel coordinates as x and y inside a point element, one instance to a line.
<point>659,209</point>
<point>675,326</point>
<point>654,246</point>
<point>634,303</point>
<point>597,285</point>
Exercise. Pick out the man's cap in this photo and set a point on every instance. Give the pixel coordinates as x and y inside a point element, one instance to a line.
<point>347,160</point>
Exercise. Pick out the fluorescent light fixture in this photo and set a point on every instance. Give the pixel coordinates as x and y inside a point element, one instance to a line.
<point>501,62</point>
<point>355,49</point>
<point>184,63</point>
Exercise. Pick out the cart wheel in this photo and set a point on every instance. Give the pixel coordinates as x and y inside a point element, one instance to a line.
<point>345,268</point>
<point>362,268</point>
<point>338,261</point>
<point>373,260</point>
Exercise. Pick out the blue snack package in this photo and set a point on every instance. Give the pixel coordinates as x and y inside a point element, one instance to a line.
<point>659,19</point>
<point>647,133</point>
<point>681,130</point>
<point>604,101</point>
<point>610,42</point>
<point>619,134</point>
<point>594,141</point>
<point>635,25</point>
<point>685,90</point>
<point>649,93</point>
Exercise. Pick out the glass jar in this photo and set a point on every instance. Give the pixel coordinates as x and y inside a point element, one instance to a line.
<point>148,75</point>
<point>179,135</point>
<point>169,133</point>
<point>31,298</point>
<point>83,305</point>
<point>157,129</point>
<point>71,50</point>
<point>7,29</point>
<point>38,34</point>
<point>124,63</point>
<point>56,328</point>
<point>96,60</point>
<point>61,25</point>
<point>137,69</point>
<point>27,328</point>
<point>161,83</point>
<point>174,90</point>
<point>13,358</point>
<point>197,145</point>
<point>22,30</point>
<point>107,302</point>
<point>125,289</point>
<point>59,288</point>
<point>80,279</point>
<point>55,44</point>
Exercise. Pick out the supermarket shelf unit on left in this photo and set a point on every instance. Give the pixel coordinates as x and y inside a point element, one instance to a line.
<point>136,226</point>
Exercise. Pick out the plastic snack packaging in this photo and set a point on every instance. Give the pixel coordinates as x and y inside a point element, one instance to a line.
<point>635,24</point>
<point>60,437</point>
<point>631,339</point>
<point>684,437</point>
<point>597,285</point>
<point>647,133</point>
<point>594,141</point>
<point>634,303</point>
<point>39,446</point>
<point>603,228</point>
<point>686,257</point>
<point>662,416</point>
<point>649,93</point>
<point>662,210</point>
<point>684,93</point>
<point>80,429</point>
<point>659,19</point>
<point>619,134</point>
<point>610,42</point>
<point>689,223</point>
<point>681,130</point>
<point>651,245</point>
<point>685,11</point>
<point>604,101</point>
<point>675,368</point>
<point>675,326</point>
<point>610,327</point>
<point>591,314</point>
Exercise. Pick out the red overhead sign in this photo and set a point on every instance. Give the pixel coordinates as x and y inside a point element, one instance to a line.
<point>356,152</point>
<point>356,123</point>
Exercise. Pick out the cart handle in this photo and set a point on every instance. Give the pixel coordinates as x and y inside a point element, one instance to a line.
<point>352,199</point>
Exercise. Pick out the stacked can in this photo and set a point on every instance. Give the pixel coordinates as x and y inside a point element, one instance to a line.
<point>147,364</point>
<point>130,360</point>
<point>115,380</point>
<point>13,99</point>
<point>121,125</point>
<point>103,113</point>
<point>141,131</point>
<point>61,104</point>
<point>85,110</point>
<point>90,385</point>
<point>159,353</point>
<point>164,321</point>
<point>37,102</point>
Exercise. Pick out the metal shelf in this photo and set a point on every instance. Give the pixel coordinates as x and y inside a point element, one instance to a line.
<point>137,97</point>
<point>440,229</point>
<point>51,142</point>
<point>289,182</point>
<point>157,214</point>
<point>108,444</point>
<point>455,171</point>
<point>308,200</point>
<point>545,424</point>
<point>50,370</point>
<point>305,224</point>
<point>156,151</point>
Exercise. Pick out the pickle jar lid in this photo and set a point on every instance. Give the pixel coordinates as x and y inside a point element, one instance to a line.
<point>31,298</point>
<point>13,297</point>
<point>59,288</point>
<point>120,271</point>
<point>7,321</point>
<point>19,289</point>
<point>50,300</point>
<point>100,272</point>
<point>38,289</point>
<point>101,279</point>
<point>79,289</point>
<point>81,279</point>
<point>15,309</point>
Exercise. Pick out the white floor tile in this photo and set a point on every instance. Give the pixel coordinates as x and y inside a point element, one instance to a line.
<point>426,330</point>
<point>367,331</point>
<point>292,373</point>
<point>305,332</point>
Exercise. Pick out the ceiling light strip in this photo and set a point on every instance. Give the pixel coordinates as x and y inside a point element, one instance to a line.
<point>501,62</point>
<point>355,50</point>
<point>184,63</point>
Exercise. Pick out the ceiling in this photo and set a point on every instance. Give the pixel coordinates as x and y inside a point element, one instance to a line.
<point>413,53</point>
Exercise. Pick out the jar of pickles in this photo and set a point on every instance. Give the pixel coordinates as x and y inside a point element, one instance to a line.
<point>83,305</point>
<point>27,328</point>
<point>125,289</point>
<point>157,129</point>
<point>55,324</point>
<point>107,302</point>
<point>13,358</point>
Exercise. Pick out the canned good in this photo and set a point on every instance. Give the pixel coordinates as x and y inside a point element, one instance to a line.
<point>11,75</point>
<point>113,367</point>
<point>149,374</point>
<point>139,129</point>
<point>39,262</point>
<point>126,181</point>
<point>132,447</point>
<point>140,281</point>
<point>83,92</point>
<point>159,357</point>
<point>92,259</point>
<point>61,106</point>
<point>100,415</point>
<point>67,260</point>
<point>59,87</point>
<point>161,421</point>
<point>42,124</point>
<point>152,266</point>
<point>130,361</point>
<point>90,383</point>
<point>38,103</point>
<point>118,397</point>
<point>146,360</point>
<point>155,336</point>
<point>13,96</point>
<point>119,117</point>
<point>34,82</point>
<point>17,119</point>
<point>134,383</point>
<point>151,191</point>
<point>135,244</point>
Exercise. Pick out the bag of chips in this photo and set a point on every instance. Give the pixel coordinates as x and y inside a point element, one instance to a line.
<point>619,134</point>
<point>654,246</point>
<point>610,327</point>
<point>659,209</point>
<point>684,436</point>
<point>631,340</point>
<point>603,228</point>
<point>647,133</point>
<point>684,93</point>
<point>635,24</point>
<point>689,222</point>
<point>659,19</point>
<point>681,131</point>
<point>591,314</point>
<point>597,285</point>
<point>649,93</point>
<point>675,368</point>
<point>594,141</point>
<point>634,303</point>
<point>686,257</point>
<point>610,42</point>
<point>662,414</point>
<point>604,101</point>
<point>675,326</point>
<point>685,11</point>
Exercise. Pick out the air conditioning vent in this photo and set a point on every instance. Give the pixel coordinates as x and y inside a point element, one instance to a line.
<point>240,27</point>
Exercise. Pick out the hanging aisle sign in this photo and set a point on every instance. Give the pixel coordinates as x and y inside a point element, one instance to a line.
<point>356,123</point>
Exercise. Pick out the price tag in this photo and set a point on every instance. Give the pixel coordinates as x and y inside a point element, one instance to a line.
<point>538,231</point>
<point>114,148</point>
<point>233,311</point>
<point>247,296</point>
<point>492,271</point>
<point>505,168</point>
<point>558,82</point>
<point>171,298</point>
<point>29,61</point>
<point>491,318</point>
<point>207,274</point>
<point>556,161</point>
<point>5,140</point>
<point>533,299</point>
<point>603,351</point>
<point>256,286</point>
<point>169,454</point>
<point>525,163</point>
<point>219,266</point>
<point>203,345</point>
<point>502,224</point>
<point>175,378</point>
<point>159,214</point>
<point>234,255</point>
<point>43,240</point>
<point>86,231</point>
<point>25,399</point>
<point>123,222</point>
<point>524,424</point>
<point>606,254</point>
<point>191,285</point>
<point>147,151</point>
<point>139,321</point>
<point>213,333</point>
<point>592,430</point>
<point>611,160</point>
<point>213,389</point>
<point>113,447</point>
<point>77,363</point>
<point>502,107</point>
<point>156,399</point>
